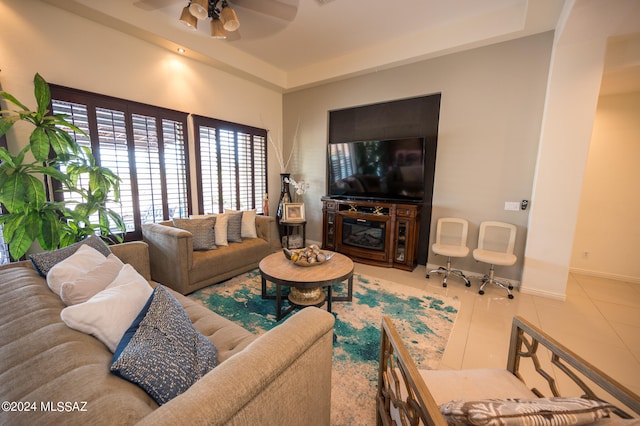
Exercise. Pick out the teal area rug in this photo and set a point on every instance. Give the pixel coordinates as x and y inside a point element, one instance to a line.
<point>423,320</point>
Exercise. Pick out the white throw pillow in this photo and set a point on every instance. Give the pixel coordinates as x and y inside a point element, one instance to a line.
<point>249,224</point>
<point>108,314</point>
<point>88,285</point>
<point>248,227</point>
<point>220,229</point>
<point>78,264</point>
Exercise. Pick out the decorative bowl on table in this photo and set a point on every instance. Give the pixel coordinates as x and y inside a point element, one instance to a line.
<point>308,256</point>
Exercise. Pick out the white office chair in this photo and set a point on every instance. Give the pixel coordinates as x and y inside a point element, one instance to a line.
<point>451,241</point>
<point>496,241</point>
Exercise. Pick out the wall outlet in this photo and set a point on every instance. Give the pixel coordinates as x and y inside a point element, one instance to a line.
<point>512,205</point>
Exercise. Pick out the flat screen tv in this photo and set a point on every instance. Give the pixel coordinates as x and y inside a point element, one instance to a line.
<point>390,169</point>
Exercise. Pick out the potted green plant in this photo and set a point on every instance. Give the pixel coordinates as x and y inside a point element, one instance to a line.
<point>25,182</point>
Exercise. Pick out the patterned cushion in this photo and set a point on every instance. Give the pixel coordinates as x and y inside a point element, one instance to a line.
<point>234,226</point>
<point>202,229</point>
<point>248,226</point>
<point>537,411</point>
<point>43,262</point>
<point>161,351</point>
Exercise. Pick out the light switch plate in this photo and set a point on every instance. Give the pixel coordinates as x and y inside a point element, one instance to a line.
<point>512,205</point>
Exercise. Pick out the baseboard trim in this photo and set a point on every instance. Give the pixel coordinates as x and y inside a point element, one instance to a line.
<point>543,293</point>
<point>600,274</point>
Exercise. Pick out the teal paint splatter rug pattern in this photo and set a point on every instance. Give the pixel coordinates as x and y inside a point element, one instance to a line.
<point>423,320</point>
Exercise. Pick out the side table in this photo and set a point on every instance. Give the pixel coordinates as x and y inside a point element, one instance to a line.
<point>300,229</point>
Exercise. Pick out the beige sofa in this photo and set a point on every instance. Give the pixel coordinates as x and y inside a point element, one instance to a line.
<point>175,264</point>
<point>52,374</point>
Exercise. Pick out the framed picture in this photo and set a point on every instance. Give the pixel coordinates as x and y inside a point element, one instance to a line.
<point>293,212</point>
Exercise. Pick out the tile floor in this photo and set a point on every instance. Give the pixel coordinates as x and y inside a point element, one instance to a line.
<point>599,320</point>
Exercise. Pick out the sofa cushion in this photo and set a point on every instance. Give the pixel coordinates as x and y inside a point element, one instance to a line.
<point>228,336</point>
<point>78,264</point>
<point>108,314</point>
<point>538,411</point>
<point>219,228</point>
<point>44,360</point>
<point>234,226</point>
<point>222,222</point>
<point>44,261</point>
<point>202,230</point>
<point>161,351</point>
<point>472,384</point>
<point>236,256</point>
<point>248,223</point>
<point>84,287</point>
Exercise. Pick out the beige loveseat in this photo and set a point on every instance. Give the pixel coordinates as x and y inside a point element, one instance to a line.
<point>175,264</point>
<point>52,374</point>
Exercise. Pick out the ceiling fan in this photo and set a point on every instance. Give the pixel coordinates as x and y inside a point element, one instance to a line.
<point>262,16</point>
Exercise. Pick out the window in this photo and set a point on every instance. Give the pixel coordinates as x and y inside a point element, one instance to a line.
<point>145,146</point>
<point>231,165</point>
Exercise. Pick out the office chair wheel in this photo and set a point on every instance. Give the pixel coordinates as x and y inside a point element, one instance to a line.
<point>510,296</point>
<point>510,287</point>
<point>481,292</point>
<point>467,283</point>
<point>428,276</point>
<point>444,284</point>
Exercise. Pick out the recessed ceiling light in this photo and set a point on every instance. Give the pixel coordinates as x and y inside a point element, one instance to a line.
<point>181,50</point>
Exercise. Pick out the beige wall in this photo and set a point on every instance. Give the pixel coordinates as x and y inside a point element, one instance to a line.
<point>570,105</point>
<point>75,52</point>
<point>491,127</point>
<point>607,231</point>
<point>490,117</point>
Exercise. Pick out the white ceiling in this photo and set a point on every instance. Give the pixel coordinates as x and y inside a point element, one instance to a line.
<point>326,39</point>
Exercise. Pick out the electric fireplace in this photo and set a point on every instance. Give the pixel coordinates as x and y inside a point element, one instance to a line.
<point>363,233</point>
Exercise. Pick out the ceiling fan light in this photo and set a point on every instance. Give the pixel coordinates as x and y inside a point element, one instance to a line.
<point>188,19</point>
<point>230,19</point>
<point>199,8</point>
<point>217,29</point>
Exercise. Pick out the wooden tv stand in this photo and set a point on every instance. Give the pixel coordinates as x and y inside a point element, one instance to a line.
<point>374,232</point>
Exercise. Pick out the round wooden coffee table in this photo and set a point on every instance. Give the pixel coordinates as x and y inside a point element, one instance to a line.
<point>306,282</point>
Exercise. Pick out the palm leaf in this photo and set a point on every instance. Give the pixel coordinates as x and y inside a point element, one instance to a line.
<point>34,190</point>
<point>49,238</point>
<point>12,193</point>
<point>7,122</point>
<point>16,234</point>
<point>9,97</point>
<point>39,141</point>
<point>42,94</point>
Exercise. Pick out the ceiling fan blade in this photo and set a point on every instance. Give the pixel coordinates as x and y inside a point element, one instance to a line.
<point>273,8</point>
<point>155,4</point>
